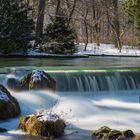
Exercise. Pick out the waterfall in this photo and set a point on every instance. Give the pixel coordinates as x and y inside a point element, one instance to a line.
<point>95,81</point>
<point>114,100</point>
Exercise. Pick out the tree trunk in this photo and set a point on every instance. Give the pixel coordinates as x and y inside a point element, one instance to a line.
<point>40,20</point>
<point>86,28</point>
<point>96,26</point>
<point>86,40</point>
<point>57,7</point>
<point>72,11</point>
<point>116,25</point>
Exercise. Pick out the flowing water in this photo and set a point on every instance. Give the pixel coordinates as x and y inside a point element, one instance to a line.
<point>90,92</point>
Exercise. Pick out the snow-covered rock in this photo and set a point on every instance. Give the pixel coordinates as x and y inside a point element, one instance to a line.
<point>9,106</point>
<point>38,79</point>
<point>48,116</point>
<point>45,124</point>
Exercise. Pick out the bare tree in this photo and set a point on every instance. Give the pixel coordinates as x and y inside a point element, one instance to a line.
<point>116,25</point>
<point>40,19</point>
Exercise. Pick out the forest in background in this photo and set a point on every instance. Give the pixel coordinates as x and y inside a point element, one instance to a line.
<point>66,22</point>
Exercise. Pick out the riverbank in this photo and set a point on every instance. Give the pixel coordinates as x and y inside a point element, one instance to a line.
<point>64,56</point>
<point>105,50</point>
<point>108,50</point>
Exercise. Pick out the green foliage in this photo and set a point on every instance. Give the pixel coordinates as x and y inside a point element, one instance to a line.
<point>132,7</point>
<point>16,26</point>
<point>59,36</point>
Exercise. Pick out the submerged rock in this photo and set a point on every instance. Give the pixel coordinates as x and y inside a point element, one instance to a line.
<point>129,134</point>
<point>13,84</point>
<point>3,130</point>
<point>106,133</point>
<point>38,79</point>
<point>46,124</point>
<point>9,106</point>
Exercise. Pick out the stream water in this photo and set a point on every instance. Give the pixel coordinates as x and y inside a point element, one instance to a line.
<point>90,92</point>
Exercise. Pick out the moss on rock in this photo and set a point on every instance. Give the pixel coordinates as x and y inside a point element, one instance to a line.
<point>106,133</point>
<point>43,128</point>
<point>37,79</point>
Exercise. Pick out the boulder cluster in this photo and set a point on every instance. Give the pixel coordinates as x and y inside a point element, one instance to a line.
<point>106,133</point>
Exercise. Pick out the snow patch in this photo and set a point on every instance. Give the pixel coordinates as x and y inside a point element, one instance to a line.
<point>107,49</point>
<point>48,116</point>
<point>93,49</point>
<point>32,52</point>
<point>3,97</point>
<point>36,75</point>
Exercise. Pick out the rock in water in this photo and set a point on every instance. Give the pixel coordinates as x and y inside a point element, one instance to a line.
<point>9,106</point>
<point>46,124</point>
<point>101,132</point>
<point>38,79</point>
<point>129,134</point>
<point>106,133</point>
<point>114,135</point>
<point>13,83</point>
<point>2,130</point>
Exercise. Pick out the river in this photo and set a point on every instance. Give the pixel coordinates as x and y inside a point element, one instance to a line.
<point>91,92</point>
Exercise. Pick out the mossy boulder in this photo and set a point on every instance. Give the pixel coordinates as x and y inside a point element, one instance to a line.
<point>37,79</point>
<point>115,135</point>
<point>106,133</point>
<point>43,125</point>
<point>9,106</point>
<point>101,132</point>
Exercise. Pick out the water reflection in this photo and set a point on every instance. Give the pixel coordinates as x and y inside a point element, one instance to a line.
<point>93,61</point>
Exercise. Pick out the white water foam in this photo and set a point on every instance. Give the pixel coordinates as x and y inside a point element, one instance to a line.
<point>30,102</point>
<point>89,113</point>
<point>85,112</point>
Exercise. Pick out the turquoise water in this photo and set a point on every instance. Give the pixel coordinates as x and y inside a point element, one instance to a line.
<point>91,62</point>
<point>118,75</point>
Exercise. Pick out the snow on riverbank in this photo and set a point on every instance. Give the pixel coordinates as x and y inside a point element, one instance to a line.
<point>108,49</point>
<point>93,49</point>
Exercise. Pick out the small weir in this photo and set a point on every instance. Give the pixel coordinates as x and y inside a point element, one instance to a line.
<point>86,99</point>
<point>96,81</point>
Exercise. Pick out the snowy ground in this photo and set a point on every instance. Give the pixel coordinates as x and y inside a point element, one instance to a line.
<point>93,49</point>
<point>108,49</point>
